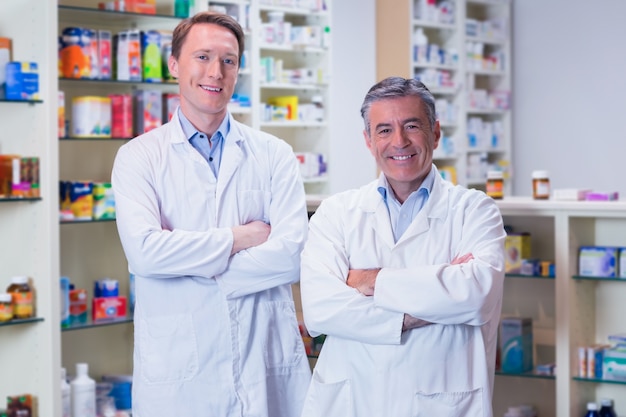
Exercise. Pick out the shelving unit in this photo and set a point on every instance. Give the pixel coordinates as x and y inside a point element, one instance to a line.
<point>276,58</point>
<point>568,311</point>
<point>91,250</point>
<point>30,349</point>
<point>469,82</point>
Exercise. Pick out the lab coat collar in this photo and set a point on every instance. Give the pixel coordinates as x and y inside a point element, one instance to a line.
<point>177,135</point>
<point>232,153</point>
<point>435,208</point>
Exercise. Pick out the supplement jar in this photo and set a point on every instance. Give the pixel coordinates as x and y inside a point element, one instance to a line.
<point>6,307</point>
<point>23,305</point>
<point>541,185</point>
<point>495,184</point>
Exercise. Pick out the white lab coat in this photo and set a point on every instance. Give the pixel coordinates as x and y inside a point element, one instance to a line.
<point>367,366</point>
<point>214,335</point>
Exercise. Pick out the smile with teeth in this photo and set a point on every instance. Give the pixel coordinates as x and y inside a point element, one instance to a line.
<point>214,89</point>
<point>401,157</point>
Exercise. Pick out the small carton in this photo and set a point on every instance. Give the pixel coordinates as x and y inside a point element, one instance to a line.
<point>614,364</point>
<point>104,54</point>
<point>22,405</point>
<point>151,56</point>
<point>148,106</point>
<point>516,248</point>
<point>108,308</point>
<point>78,306</point>
<point>290,103</point>
<point>597,261</point>
<point>516,344</point>
<point>74,54</point>
<point>22,81</point>
<point>81,199</point>
<point>103,201</point>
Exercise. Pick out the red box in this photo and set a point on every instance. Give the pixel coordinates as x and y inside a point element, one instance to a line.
<point>108,308</point>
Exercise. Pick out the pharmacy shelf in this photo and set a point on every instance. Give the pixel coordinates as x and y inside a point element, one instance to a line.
<point>457,77</point>
<point>532,375</point>
<point>581,310</point>
<point>30,348</point>
<point>119,82</point>
<point>76,139</point>
<point>17,322</point>
<point>598,381</point>
<point>5,100</point>
<point>86,221</point>
<point>90,324</point>
<point>19,199</point>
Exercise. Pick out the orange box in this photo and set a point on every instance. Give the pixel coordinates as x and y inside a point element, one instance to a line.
<point>21,405</point>
<point>108,308</point>
<point>78,306</point>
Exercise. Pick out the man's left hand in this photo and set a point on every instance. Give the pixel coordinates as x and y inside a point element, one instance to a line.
<point>364,280</point>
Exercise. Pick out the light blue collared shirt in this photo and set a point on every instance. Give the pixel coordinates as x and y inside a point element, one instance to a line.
<point>212,154</point>
<point>401,215</point>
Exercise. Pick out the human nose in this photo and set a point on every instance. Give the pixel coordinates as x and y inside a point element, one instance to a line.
<point>214,69</point>
<point>399,138</point>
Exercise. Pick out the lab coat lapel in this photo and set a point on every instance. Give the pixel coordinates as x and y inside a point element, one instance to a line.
<point>375,209</point>
<point>232,156</point>
<point>435,207</point>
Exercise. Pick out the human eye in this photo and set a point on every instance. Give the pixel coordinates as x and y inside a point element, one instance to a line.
<point>230,61</point>
<point>383,132</point>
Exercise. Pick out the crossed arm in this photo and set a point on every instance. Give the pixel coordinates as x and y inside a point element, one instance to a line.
<point>364,281</point>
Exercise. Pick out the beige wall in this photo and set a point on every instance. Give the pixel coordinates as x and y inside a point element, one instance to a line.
<point>393,38</point>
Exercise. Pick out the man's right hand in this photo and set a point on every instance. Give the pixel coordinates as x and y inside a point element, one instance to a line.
<point>411,322</point>
<point>249,235</point>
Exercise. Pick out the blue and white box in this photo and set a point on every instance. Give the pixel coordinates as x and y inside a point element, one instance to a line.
<point>598,261</point>
<point>22,81</point>
<point>516,344</point>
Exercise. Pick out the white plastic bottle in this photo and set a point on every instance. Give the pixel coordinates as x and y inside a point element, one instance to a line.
<point>66,405</point>
<point>420,46</point>
<point>83,393</point>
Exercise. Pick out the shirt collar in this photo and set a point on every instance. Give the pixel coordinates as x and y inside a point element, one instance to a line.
<point>190,131</point>
<point>427,185</point>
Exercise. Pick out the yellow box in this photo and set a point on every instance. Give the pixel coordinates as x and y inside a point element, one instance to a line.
<point>516,248</point>
<point>289,102</point>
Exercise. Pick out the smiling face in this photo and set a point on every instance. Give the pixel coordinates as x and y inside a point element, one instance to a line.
<point>207,69</point>
<point>402,141</point>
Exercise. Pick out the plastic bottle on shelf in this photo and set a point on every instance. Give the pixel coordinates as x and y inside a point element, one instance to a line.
<point>420,47</point>
<point>318,102</point>
<point>66,405</point>
<point>541,185</point>
<point>606,409</point>
<point>592,410</point>
<point>83,390</point>
<point>6,307</point>
<point>23,298</point>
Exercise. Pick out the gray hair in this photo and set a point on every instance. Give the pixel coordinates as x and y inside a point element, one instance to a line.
<point>392,87</point>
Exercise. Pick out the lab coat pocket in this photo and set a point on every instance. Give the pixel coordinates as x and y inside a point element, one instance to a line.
<point>254,205</point>
<point>450,404</point>
<point>328,399</point>
<point>283,343</point>
<point>168,349</point>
